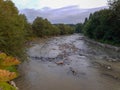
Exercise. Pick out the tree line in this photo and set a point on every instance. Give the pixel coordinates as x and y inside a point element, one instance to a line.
<point>42,27</point>
<point>104,25</point>
<point>15,29</point>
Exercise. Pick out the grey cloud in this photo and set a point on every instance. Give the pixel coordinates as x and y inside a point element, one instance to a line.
<point>68,15</point>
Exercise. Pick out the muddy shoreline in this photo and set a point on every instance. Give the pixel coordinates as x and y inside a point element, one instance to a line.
<point>112,47</point>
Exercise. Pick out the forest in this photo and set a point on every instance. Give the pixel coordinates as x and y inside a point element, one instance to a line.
<point>104,25</point>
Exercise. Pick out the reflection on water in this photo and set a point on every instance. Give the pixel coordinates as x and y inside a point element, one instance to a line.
<point>82,66</point>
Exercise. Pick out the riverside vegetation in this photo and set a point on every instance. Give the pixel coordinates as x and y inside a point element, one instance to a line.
<point>104,25</point>
<point>7,71</point>
<point>15,31</point>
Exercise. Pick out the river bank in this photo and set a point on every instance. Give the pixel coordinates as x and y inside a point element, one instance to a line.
<point>8,72</point>
<point>69,63</point>
<point>112,47</point>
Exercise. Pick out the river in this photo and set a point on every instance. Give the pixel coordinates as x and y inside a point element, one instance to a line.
<point>69,63</point>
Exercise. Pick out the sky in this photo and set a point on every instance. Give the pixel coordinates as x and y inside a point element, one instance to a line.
<point>59,11</point>
<point>39,4</point>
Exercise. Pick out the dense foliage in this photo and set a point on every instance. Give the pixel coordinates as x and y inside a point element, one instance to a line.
<point>42,27</point>
<point>104,25</point>
<point>65,29</point>
<point>78,28</point>
<point>12,29</point>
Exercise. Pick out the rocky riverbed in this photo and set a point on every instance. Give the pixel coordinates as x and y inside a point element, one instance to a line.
<point>70,63</point>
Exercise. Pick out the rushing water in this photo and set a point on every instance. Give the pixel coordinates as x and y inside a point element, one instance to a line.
<point>70,63</point>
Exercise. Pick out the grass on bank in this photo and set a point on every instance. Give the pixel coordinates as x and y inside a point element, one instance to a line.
<point>8,71</point>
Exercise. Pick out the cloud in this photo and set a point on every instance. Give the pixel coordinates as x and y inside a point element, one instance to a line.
<point>38,4</point>
<point>68,15</point>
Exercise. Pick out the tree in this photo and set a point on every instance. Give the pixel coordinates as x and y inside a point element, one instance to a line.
<point>114,5</point>
<point>38,26</point>
<point>78,28</point>
<point>65,29</point>
<point>42,28</point>
<point>12,30</point>
<point>27,27</point>
<point>104,25</point>
<point>115,19</point>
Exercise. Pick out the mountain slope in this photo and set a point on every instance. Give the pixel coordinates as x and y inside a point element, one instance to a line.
<point>68,15</point>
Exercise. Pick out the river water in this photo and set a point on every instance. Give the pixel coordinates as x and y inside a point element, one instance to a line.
<point>69,63</point>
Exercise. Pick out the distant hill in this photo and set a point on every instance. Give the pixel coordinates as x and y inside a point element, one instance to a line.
<point>67,15</point>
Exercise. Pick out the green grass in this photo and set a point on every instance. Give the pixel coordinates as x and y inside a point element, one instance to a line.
<point>11,69</point>
<point>6,86</point>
